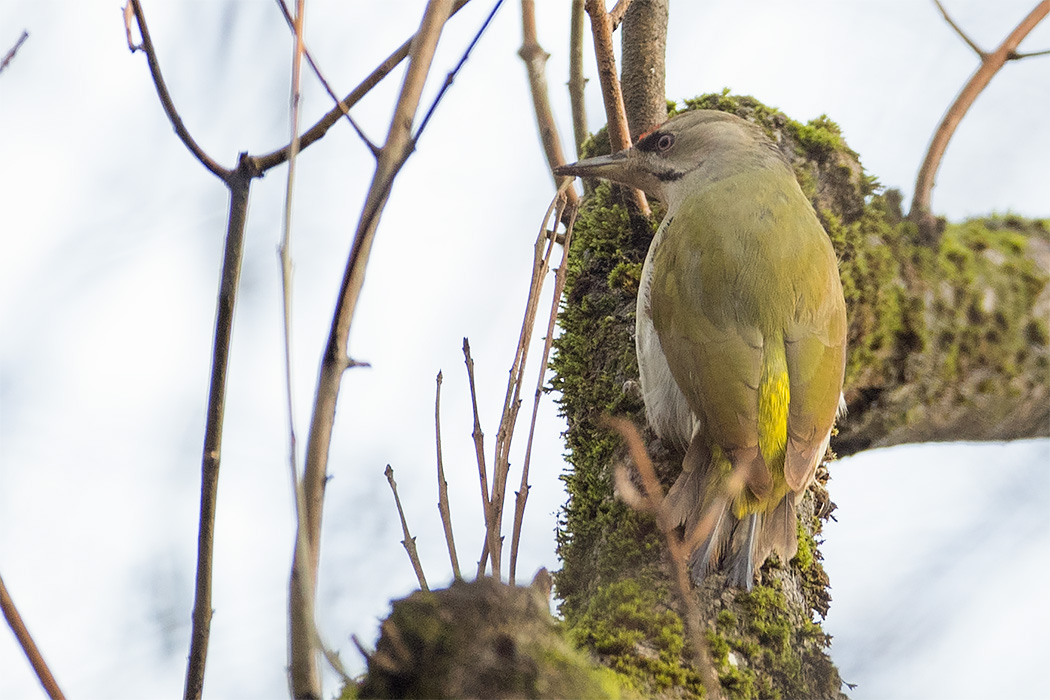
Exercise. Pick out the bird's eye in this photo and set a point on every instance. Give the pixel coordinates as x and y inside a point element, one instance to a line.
<point>665,142</point>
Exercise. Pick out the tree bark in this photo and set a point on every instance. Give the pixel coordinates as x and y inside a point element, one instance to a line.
<point>644,47</point>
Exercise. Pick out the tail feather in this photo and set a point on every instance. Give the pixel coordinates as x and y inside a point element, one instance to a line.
<point>737,546</point>
<point>778,531</point>
<point>730,547</point>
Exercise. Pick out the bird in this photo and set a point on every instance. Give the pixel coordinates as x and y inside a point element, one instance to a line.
<point>740,333</point>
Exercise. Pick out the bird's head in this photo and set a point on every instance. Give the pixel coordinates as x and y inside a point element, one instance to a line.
<point>687,151</point>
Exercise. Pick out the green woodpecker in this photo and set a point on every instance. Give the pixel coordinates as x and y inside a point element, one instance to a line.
<point>740,333</point>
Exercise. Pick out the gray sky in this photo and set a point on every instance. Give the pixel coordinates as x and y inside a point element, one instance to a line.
<point>112,236</point>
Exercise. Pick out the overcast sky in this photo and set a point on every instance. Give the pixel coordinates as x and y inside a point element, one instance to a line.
<point>112,236</point>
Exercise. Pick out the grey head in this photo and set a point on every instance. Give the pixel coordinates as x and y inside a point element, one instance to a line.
<point>694,147</point>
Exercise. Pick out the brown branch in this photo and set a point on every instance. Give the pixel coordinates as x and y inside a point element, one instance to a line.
<point>535,59</point>
<point>616,14</point>
<point>479,451</point>
<point>654,503</point>
<point>542,251</point>
<point>162,91</point>
<point>302,623</point>
<point>990,65</point>
<point>559,285</point>
<point>318,130</point>
<point>239,183</point>
<point>14,49</point>
<point>577,82</point>
<point>1027,54</point>
<point>958,30</point>
<point>643,40</point>
<point>409,542</point>
<point>344,109</point>
<point>446,515</point>
<point>619,134</point>
<point>399,145</point>
<point>29,647</point>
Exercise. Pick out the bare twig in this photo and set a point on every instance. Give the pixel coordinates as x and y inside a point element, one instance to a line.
<point>162,91</point>
<point>324,83</point>
<point>990,65</point>
<point>303,583</point>
<point>654,503</point>
<point>361,648</point>
<point>958,30</point>
<point>399,145</point>
<point>617,13</point>
<point>451,76</point>
<point>29,647</point>
<point>446,516</point>
<point>577,82</point>
<point>512,402</point>
<point>319,129</point>
<point>479,450</point>
<point>409,542</point>
<point>559,285</point>
<point>238,181</point>
<point>239,184</point>
<point>619,132</point>
<point>535,59</point>
<point>1027,54</point>
<point>14,49</point>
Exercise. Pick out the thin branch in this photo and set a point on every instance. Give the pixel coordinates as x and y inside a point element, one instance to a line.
<point>653,501</point>
<point>559,286</point>
<point>452,73</point>
<point>446,515</point>
<point>318,130</point>
<point>535,59</point>
<point>577,82</point>
<point>324,83</point>
<point>617,13</point>
<point>399,145</point>
<point>301,623</point>
<point>990,65</point>
<point>619,133</point>
<point>239,184</point>
<point>479,451</point>
<point>14,49</point>
<point>162,90</point>
<point>1027,54</point>
<point>409,542</point>
<point>958,30</point>
<point>29,647</point>
<point>542,251</point>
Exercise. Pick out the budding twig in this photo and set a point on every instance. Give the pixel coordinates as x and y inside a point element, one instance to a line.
<point>409,542</point>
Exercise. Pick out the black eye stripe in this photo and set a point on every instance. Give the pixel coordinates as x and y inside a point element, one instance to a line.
<point>656,142</point>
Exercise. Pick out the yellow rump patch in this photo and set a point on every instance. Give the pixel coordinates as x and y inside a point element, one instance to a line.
<point>773,397</point>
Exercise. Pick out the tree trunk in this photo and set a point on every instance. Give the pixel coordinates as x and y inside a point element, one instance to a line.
<point>643,47</point>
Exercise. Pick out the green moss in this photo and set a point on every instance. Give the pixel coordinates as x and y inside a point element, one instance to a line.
<point>626,276</point>
<point>629,631</point>
<point>480,639</point>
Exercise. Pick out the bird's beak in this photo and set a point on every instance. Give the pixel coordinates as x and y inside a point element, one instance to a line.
<point>612,167</point>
